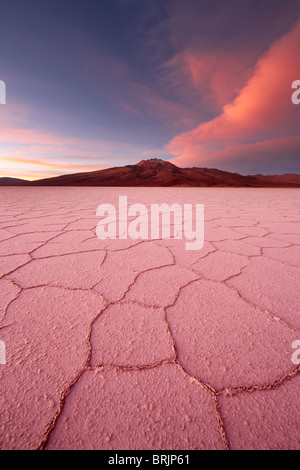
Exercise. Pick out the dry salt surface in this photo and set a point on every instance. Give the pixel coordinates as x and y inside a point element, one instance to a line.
<point>121,344</point>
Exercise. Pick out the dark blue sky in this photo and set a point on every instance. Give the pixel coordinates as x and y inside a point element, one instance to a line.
<point>92,84</point>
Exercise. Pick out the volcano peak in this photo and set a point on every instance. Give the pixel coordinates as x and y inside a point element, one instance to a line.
<point>155,163</point>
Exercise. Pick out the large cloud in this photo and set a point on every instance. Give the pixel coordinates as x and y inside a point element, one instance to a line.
<point>247,132</point>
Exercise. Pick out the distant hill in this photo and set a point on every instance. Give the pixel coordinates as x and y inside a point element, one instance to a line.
<point>156,172</point>
<point>13,182</point>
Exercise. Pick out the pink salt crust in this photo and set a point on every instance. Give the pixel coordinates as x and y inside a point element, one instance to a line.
<point>122,344</point>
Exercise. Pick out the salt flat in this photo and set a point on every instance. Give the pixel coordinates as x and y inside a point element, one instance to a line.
<point>122,344</point>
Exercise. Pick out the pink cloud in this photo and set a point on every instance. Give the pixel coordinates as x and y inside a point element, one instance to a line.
<point>216,76</point>
<point>66,166</point>
<point>261,112</point>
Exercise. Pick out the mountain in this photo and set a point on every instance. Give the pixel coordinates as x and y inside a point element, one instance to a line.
<point>156,172</point>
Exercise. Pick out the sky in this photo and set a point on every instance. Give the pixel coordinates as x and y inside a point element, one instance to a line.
<point>92,84</point>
